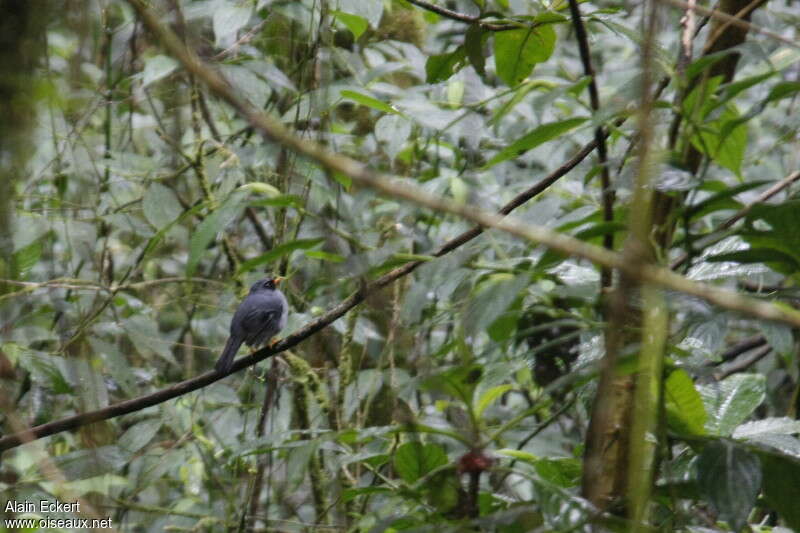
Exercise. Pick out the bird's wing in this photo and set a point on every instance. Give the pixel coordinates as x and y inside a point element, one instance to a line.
<point>257,318</point>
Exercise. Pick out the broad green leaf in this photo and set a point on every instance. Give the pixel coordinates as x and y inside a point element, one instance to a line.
<point>599,229</point>
<point>324,256</point>
<point>26,258</point>
<point>782,221</point>
<point>564,472</point>
<point>208,229</point>
<point>143,332</point>
<point>516,52</point>
<point>726,146</point>
<point>518,454</point>
<point>279,251</point>
<point>440,67</point>
<point>413,460</point>
<point>368,101</point>
<point>683,404</point>
<point>370,11</point>
<point>458,382</point>
<point>779,337</point>
<point>768,426</point>
<point>782,90</point>
<point>137,436</point>
<point>774,258</point>
<point>297,464</point>
<point>91,462</point>
<point>492,299</point>
<point>730,401</point>
<point>156,68</point>
<point>473,46</point>
<point>248,83</point>
<point>489,397</point>
<point>351,494</point>
<point>538,136</point>
<point>356,24</point>
<point>229,17</point>
<point>722,199</point>
<point>781,487</point>
<point>729,478</point>
<point>160,205</point>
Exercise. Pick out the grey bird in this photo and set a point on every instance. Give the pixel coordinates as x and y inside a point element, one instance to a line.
<point>260,316</point>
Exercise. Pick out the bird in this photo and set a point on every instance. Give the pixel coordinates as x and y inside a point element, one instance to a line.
<point>260,316</point>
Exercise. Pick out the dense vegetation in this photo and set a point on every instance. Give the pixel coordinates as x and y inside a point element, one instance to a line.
<point>621,355</point>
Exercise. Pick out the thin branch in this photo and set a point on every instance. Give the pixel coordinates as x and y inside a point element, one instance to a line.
<point>745,345</point>
<point>744,364</point>
<point>461,17</point>
<point>599,136</point>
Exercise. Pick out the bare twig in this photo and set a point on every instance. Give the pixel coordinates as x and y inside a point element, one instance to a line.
<point>744,364</point>
<point>461,17</point>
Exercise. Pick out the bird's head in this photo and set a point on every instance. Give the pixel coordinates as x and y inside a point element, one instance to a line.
<point>267,284</point>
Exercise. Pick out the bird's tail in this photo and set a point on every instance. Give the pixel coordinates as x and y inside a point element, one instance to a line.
<point>225,361</point>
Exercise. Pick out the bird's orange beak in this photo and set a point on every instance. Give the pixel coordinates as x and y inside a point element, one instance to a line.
<point>278,280</point>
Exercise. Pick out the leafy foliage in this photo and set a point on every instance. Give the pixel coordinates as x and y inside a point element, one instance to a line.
<point>458,397</point>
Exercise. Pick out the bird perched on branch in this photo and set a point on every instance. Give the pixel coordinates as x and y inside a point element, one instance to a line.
<point>259,317</point>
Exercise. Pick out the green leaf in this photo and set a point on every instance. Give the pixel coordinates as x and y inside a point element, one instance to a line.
<point>782,90</point>
<point>26,257</point>
<point>729,478</point>
<point>564,472</point>
<point>779,260</point>
<point>298,461</point>
<point>458,382</point>
<point>517,51</point>
<point>782,221</point>
<point>368,101</point>
<point>213,224</point>
<point>160,205</point>
<point>768,426</point>
<point>779,337</point>
<point>156,68</point>
<point>724,140</point>
<point>357,25</point>
<point>722,199</point>
<point>138,435</point>
<point>279,251</point>
<point>683,404</point>
<point>489,397</point>
<point>473,45</point>
<point>729,402</point>
<point>599,229</point>
<point>324,256</point>
<point>440,67</point>
<point>413,460</point>
<point>91,462</point>
<point>781,488</point>
<point>538,136</point>
<point>492,299</point>
<point>528,457</point>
